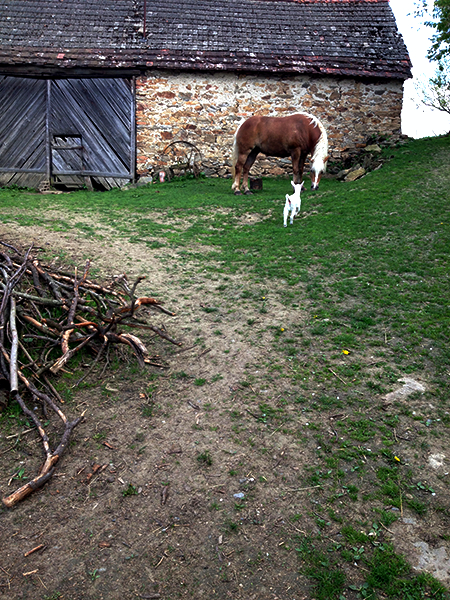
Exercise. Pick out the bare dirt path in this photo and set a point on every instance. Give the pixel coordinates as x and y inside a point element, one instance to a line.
<point>164,492</point>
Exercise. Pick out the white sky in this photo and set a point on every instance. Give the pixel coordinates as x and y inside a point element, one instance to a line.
<point>419,121</point>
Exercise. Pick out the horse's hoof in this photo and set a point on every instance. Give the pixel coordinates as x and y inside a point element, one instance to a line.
<point>238,193</point>
<point>248,193</point>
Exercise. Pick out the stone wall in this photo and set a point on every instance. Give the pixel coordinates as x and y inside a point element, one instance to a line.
<point>205,110</point>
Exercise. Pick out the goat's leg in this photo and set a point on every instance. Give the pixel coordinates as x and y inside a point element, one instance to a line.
<point>296,209</point>
<point>287,207</point>
<point>293,213</point>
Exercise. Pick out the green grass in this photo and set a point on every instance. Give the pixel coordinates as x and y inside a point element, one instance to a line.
<point>381,242</point>
<point>204,458</point>
<point>364,275</point>
<point>131,490</point>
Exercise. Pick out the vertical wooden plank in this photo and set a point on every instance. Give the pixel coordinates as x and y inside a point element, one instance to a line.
<point>22,123</point>
<point>133,131</point>
<point>100,111</point>
<point>144,33</point>
<point>48,141</point>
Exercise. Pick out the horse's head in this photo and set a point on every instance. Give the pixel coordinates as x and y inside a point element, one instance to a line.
<point>318,167</point>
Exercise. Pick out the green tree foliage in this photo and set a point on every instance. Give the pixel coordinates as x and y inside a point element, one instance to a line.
<point>437,93</point>
<point>438,13</point>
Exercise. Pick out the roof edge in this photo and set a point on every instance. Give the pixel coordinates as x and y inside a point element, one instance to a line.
<point>135,61</point>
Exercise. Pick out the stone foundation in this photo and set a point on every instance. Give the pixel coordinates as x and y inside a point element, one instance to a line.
<point>205,110</point>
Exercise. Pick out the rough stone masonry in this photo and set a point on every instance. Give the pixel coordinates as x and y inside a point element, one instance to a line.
<point>206,108</point>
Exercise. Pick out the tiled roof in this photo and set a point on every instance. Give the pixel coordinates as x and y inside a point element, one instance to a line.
<point>341,37</point>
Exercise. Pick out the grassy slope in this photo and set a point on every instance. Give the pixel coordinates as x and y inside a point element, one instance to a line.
<point>368,261</point>
<point>378,245</point>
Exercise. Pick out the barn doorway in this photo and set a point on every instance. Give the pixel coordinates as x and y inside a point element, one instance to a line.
<point>71,132</point>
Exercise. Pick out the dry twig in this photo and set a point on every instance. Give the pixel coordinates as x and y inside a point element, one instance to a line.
<point>43,309</point>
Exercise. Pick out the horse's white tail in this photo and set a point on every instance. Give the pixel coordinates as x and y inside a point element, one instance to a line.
<point>320,155</point>
<point>235,153</point>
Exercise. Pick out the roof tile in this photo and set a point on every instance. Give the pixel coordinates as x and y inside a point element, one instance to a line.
<point>347,37</point>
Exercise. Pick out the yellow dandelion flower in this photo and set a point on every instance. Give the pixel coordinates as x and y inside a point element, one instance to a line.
<point>396,458</point>
<point>345,352</point>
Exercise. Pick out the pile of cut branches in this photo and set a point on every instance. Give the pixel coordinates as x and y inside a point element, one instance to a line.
<point>47,316</point>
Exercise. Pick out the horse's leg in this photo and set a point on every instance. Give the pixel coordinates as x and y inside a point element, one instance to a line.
<point>301,167</point>
<point>247,166</point>
<point>298,162</point>
<point>237,177</point>
<point>237,173</point>
<point>295,158</point>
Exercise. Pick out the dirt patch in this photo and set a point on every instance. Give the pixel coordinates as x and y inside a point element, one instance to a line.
<point>181,530</point>
<point>180,482</point>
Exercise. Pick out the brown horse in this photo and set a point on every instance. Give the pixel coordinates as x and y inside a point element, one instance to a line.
<point>295,136</point>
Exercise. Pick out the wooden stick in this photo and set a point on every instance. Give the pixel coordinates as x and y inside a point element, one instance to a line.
<point>13,379</point>
<point>47,469</point>
<point>59,364</point>
<point>26,489</point>
<point>336,375</point>
<point>157,330</point>
<point>93,315</point>
<point>37,299</point>
<point>42,327</point>
<point>384,527</point>
<point>34,550</point>
<point>70,318</point>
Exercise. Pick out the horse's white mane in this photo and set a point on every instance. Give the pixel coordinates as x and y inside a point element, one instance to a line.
<point>318,163</point>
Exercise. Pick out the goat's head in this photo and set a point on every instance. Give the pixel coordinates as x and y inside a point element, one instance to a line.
<point>297,187</point>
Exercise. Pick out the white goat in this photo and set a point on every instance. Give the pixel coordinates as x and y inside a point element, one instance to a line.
<point>293,202</point>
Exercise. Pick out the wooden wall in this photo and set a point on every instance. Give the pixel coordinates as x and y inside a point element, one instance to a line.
<point>70,130</point>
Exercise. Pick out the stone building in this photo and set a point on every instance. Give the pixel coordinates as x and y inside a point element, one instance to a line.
<point>97,89</point>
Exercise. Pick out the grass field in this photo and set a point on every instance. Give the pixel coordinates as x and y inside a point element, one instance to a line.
<point>372,254</point>
<point>345,302</point>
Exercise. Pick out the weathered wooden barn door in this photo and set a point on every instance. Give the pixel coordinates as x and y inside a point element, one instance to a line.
<point>93,120</point>
<point>22,131</point>
<point>71,130</point>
